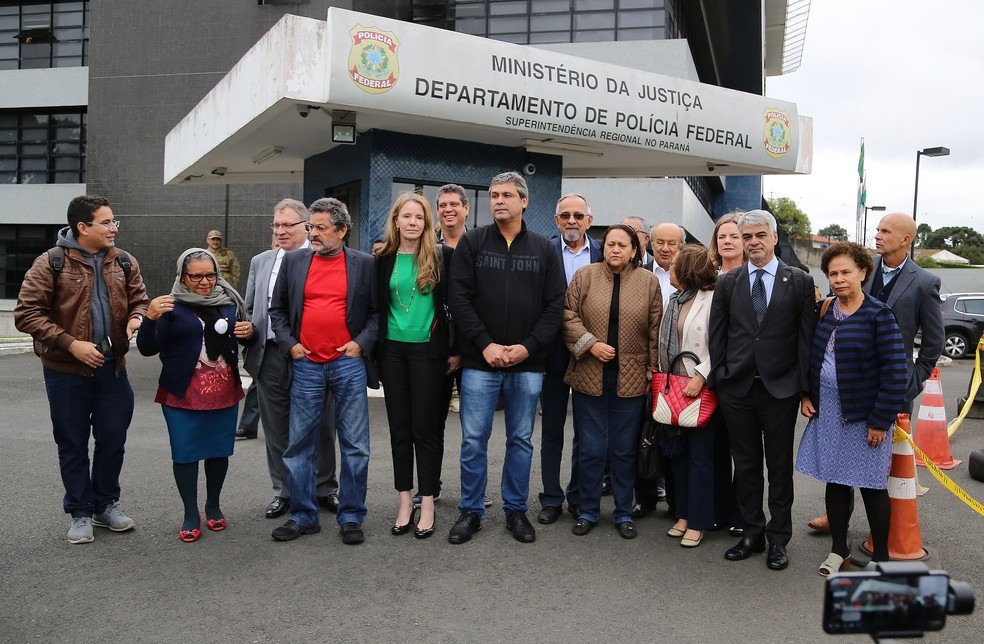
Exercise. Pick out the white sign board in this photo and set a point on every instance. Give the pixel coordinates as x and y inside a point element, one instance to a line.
<point>394,66</point>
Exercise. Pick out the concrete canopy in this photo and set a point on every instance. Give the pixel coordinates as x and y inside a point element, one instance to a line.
<point>604,120</point>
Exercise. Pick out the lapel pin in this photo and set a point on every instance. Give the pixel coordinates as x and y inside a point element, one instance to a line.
<point>785,279</point>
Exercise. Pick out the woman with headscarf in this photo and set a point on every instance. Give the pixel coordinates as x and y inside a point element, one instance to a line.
<point>196,332</point>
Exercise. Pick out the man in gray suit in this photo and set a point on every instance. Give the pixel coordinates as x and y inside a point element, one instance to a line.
<point>269,368</point>
<point>913,294</point>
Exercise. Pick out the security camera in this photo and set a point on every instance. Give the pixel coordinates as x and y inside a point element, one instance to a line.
<point>529,169</point>
<point>710,167</point>
<point>220,171</point>
<point>304,110</point>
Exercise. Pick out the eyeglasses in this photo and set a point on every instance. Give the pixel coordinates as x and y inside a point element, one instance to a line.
<point>286,226</point>
<point>198,277</point>
<point>109,225</point>
<point>567,215</point>
<point>321,228</point>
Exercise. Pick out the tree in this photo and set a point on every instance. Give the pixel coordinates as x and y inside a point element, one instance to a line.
<point>833,232</point>
<point>923,231</point>
<point>790,218</point>
<point>955,237</point>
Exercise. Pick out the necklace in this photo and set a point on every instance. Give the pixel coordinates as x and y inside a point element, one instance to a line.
<point>396,280</point>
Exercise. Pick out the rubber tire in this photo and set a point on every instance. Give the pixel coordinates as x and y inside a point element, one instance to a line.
<point>975,465</point>
<point>956,335</point>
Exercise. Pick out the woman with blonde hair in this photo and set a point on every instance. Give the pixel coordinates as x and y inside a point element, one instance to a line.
<point>727,249</point>
<point>414,353</point>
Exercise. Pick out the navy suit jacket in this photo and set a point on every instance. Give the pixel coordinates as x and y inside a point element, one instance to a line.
<point>915,300</point>
<point>779,350</point>
<point>361,317</point>
<point>558,355</point>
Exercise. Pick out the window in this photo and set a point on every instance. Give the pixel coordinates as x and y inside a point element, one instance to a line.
<point>20,245</point>
<point>42,146</point>
<point>971,306</point>
<point>40,35</point>
<point>479,213</point>
<point>553,21</point>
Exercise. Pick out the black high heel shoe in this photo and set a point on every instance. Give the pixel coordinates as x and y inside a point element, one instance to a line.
<point>397,530</point>
<point>423,534</point>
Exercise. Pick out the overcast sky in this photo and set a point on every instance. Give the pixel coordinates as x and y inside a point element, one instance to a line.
<point>906,76</point>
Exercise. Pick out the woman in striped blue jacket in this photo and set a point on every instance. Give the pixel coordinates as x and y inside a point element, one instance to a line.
<point>857,386</point>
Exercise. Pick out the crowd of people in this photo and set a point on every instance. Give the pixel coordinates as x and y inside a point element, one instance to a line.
<point>511,320</point>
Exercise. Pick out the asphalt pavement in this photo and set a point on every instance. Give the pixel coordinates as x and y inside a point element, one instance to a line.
<point>241,586</point>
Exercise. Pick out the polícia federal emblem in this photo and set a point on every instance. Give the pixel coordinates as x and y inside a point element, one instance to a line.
<point>776,136</point>
<point>373,64</point>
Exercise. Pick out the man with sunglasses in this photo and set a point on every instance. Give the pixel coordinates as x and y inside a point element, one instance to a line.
<point>270,369</point>
<point>82,309</point>
<point>576,249</point>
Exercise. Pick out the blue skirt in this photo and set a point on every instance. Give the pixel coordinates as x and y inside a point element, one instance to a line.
<point>200,434</point>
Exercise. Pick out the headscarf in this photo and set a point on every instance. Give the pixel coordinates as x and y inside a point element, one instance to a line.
<point>206,306</point>
<point>669,330</point>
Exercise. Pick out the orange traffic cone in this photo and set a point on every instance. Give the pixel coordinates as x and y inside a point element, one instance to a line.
<point>904,537</point>
<point>931,433</point>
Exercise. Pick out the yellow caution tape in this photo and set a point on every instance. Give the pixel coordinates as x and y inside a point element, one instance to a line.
<point>947,482</point>
<point>975,385</point>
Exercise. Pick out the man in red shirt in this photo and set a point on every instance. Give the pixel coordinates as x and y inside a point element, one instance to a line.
<point>323,314</point>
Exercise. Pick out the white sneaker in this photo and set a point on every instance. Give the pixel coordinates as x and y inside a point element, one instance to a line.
<point>113,518</point>
<point>81,530</point>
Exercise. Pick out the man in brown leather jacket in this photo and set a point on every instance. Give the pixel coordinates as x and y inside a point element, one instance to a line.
<point>81,302</point>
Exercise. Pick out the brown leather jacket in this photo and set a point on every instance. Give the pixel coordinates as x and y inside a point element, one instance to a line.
<point>589,298</point>
<point>57,316</point>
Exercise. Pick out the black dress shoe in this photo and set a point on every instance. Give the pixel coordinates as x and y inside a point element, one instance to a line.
<point>398,529</point>
<point>640,510</point>
<point>352,533</point>
<point>777,559</point>
<point>583,527</point>
<point>606,486</point>
<point>744,548</point>
<point>292,530</point>
<point>277,507</point>
<point>521,528</point>
<point>329,503</point>
<point>425,533</point>
<point>549,514</point>
<point>243,434</point>
<point>467,524</point>
<point>627,530</point>
<point>574,509</point>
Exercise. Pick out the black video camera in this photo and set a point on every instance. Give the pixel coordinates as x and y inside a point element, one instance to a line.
<point>899,599</point>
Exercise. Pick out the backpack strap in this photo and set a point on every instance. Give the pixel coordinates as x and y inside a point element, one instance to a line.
<point>56,260</point>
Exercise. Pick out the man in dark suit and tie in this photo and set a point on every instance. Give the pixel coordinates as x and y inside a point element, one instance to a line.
<point>323,313</point>
<point>913,294</point>
<point>269,367</point>
<point>575,249</point>
<point>762,320</point>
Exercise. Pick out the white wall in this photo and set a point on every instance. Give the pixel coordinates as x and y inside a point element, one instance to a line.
<point>43,203</point>
<point>56,87</point>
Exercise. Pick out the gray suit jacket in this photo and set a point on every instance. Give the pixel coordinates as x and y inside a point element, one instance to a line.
<point>915,300</point>
<point>361,316</point>
<point>257,287</point>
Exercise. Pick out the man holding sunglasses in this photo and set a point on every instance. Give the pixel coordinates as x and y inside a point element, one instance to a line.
<point>576,249</point>
<point>81,302</point>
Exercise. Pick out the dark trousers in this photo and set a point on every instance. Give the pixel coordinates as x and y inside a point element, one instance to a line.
<point>693,476</point>
<point>553,401</point>
<point>609,426</point>
<point>249,419</point>
<point>100,406</point>
<point>413,382</point>
<point>758,425</point>
<point>726,511</point>
<point>274,398</point>
<point>451,380</point>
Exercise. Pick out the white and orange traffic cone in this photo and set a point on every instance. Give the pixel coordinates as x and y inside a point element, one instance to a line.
<point>931,434</point>
<point>904,536</point>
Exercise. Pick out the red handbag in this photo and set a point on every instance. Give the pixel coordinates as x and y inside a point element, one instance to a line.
<point>671,407</point>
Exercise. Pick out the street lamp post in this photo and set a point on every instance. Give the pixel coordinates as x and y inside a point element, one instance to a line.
<point>929,152</point>
<point>864,234</point>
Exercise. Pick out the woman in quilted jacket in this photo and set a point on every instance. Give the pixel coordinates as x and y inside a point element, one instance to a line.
<point>611,317</point>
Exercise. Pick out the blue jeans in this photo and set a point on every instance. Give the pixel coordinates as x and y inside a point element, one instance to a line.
<point>103,405</point>
<point>345,379</point>
<point>609,425</point>
<point>553,401</point>
<point>479,393</point>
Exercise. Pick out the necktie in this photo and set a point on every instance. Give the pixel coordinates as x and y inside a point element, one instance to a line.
<point>759,302</point>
